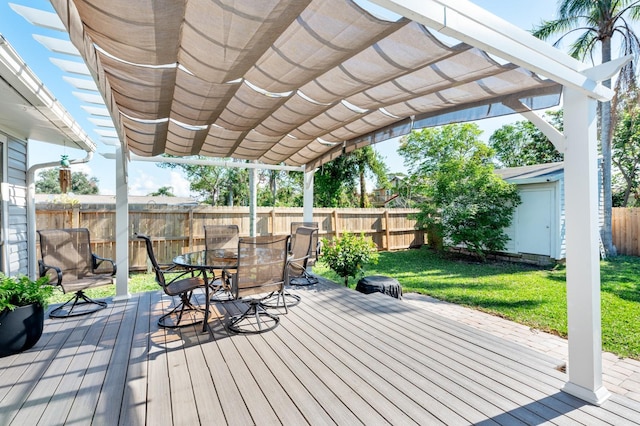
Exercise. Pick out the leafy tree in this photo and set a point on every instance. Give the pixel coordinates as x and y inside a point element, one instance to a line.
<point>626,153</point>
<point>464,202</point>
<point>163,191</point>
<point>598,22</point>
<point>523,144</point>
<point>48,183</point>
<point>280,188</point>
<point>216,185</point>
<point>334,183</point>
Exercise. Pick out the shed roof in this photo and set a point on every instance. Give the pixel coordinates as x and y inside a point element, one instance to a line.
<point>532,174</point>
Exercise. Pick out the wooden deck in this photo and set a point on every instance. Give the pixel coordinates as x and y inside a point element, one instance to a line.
<point>339,357</point>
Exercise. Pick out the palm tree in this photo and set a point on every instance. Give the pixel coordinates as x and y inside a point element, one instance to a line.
<point>597,22</point>
<point>163,191</point>
<point>369,162</point>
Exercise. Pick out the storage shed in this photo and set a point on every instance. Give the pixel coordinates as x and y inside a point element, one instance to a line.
<point>537,232</point>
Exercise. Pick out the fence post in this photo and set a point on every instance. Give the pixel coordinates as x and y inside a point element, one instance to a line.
<point>190,230</point>
<point>335,223</point>
<point>272,220</point>
<point>75,217</point>
<point>387,231</point>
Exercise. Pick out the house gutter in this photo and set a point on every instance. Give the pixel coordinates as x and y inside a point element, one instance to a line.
<point>31,208</point>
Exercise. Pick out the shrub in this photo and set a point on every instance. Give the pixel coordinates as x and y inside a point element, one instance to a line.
<point>21,291</point>
<point>347,255</point>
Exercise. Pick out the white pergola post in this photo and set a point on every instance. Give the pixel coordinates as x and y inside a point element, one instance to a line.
<point>307,200</point>
<point>253,200</point>
<point>583,266</point>
<point>122,228</point>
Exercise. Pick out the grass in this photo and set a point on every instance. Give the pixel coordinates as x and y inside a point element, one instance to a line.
<point>532,296</point>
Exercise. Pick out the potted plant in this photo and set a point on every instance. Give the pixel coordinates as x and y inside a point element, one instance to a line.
<point>22,304</point>
<point>347,255</point>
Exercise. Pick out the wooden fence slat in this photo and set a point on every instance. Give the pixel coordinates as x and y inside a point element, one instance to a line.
<point>626,230</point>
<point>178,229</point>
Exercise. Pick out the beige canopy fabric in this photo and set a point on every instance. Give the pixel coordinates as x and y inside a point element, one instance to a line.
<point>297,82</point>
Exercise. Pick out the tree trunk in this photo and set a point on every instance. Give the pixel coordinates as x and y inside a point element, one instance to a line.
<point>273,174</point>
<point>605,142</point>
<point>363,188</point>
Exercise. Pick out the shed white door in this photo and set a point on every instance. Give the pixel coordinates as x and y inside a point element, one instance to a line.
<point>534,222</point>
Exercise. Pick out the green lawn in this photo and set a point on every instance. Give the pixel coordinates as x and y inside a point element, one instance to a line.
<point>532,296</point>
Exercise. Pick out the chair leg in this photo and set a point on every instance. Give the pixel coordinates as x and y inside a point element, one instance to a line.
<point>293,299</point>
<point>261,319</point>
<point>178,311</point>
<point>79,304</point>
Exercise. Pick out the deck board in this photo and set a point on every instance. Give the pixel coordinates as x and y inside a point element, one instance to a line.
<point>339,357</point>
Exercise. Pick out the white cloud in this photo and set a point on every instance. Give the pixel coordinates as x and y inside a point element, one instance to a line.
<point>144,184</point>
<point>179,184</point>
<point>84,168</point>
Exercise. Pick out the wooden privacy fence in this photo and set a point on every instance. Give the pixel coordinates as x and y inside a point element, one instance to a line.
<point>178,229</point>
<point>626,230</point>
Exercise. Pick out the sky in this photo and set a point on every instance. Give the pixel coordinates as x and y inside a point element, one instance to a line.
<point>144,177</point>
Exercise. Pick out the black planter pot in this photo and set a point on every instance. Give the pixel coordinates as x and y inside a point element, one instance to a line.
<point>20,329</point>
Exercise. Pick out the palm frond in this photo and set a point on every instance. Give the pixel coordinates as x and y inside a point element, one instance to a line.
<point>583,45</point>
<point>548,29</point>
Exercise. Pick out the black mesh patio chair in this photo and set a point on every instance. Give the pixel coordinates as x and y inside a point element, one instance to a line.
<point>261,273</point>
<point>221,237</point>
<point>183,284</point>
<point>224,238</point>
<point>299,274</point>
<point>67,259</point>
<point>300,251</point>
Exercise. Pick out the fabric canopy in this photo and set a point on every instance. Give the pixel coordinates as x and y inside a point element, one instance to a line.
<point>297,82</point>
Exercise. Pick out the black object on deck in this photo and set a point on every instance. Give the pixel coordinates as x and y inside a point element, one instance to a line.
<point>381,284</point>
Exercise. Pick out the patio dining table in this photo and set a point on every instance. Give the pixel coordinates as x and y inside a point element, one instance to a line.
<point>207,262</point>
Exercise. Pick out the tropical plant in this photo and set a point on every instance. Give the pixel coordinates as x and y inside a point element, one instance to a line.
<point>336,183</point>
<point>370,163</point>
<point>597,23</point>
<point>464,201</point>
<point>163,191</point>
<point>22,291</point>
<point>348,254</point>
<point>216,185</point>
<point>280,188</point>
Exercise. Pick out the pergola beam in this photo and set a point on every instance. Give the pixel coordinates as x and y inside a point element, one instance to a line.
<point>471,24</point>
<point>204,162</point>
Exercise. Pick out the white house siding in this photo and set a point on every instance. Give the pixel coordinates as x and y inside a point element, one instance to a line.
<point>562,243</point>
<point>15,194</point>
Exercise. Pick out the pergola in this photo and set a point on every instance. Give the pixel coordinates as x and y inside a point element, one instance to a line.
<point>296,83</point>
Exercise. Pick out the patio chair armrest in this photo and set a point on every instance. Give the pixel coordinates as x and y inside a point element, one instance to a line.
<point>299,262</point>
<point>49,271</point>
<point>97,261</point>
